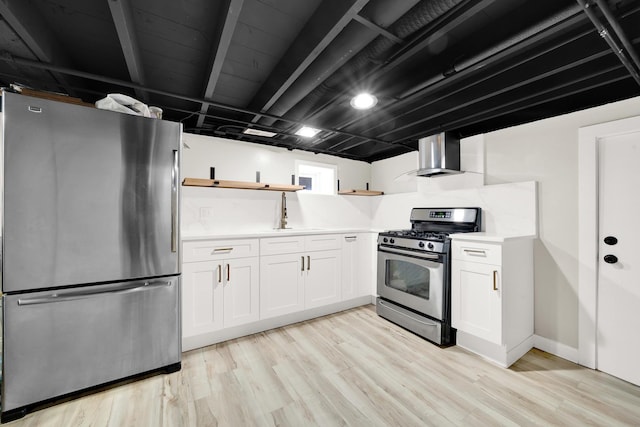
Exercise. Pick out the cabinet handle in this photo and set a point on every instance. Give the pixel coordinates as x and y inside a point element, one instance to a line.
<point>308,263</point>
<point>219,273</point>
<point>495,280</point>
<point>302,260</point>
<point>222,250</point>
<point>475,251</point>
<point>350,238</point>
<point>228,273</point>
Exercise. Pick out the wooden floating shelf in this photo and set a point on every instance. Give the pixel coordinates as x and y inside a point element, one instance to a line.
<point>244,185</point>
<point>360,193</point>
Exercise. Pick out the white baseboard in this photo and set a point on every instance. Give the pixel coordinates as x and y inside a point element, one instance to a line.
<point>556,348</point>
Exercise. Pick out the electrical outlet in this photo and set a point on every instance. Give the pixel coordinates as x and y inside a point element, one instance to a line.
<point>206,212</point>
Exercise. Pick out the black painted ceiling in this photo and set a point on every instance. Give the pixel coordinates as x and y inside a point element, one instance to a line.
<point>224,66</point>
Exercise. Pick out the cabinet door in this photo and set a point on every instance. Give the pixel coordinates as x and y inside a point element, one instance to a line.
<point>476,300</point>
<point>241,287</point>
<point>281,284</point>
<point>323,278</point>
<point>202,297</point>
<point>350,267</point>
<point>367,259</point>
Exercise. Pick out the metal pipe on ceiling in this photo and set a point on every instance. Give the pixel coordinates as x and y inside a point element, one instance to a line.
<point>522,103</point>
<point>606,35</point>
<point>7,57</point>
<point>617,29</point>
<point>520,82</point>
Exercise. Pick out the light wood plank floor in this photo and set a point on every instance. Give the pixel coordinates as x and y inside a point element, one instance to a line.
<point>353,368</point>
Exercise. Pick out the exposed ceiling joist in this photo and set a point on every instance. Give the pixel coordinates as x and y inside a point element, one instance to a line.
<point>219,67</point>
<point>530,36</point>
<point>378,29</point>
<point>464,11</point>
<point>118,82</point>
<point>326,23</point>
<point>123,20</point>
<point>35,33</point>
<point>220,52</point>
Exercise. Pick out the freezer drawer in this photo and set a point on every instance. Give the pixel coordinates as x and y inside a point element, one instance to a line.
<point>63,341</point>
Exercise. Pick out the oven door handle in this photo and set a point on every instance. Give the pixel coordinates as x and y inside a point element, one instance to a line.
<point>422,255</point>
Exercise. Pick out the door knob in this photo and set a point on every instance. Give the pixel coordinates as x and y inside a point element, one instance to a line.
<point>610,259</point>
<point>610,240</point>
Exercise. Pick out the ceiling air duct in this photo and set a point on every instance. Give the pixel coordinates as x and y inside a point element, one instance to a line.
<point>438,155</point>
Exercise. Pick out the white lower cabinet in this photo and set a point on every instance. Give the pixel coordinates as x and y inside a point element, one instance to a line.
<point>358,259</point>
<point>221,292</point>
<point>232,288</point>
<point>477,305</point>
<point>291,282</point>
<point>241,292</point>
<point>492,297</point>
<point>202,298</point>
<point>282,284</point>
<point>323,278</point>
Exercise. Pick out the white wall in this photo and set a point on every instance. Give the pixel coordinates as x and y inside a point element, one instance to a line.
<point>209,211</point>
<point>239,161</point>
<point>547,152</point>
<point>508,209</point>
<point>397,174</point>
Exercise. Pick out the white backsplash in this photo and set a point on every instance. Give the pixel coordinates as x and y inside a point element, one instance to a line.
<point>508,209</point>
<point>209,211</point>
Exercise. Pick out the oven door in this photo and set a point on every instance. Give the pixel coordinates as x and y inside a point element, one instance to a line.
<point>414,280</point>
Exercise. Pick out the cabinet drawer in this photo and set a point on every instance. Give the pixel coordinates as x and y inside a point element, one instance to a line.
<point>210,250</point>
<point>322,242</point>
<point>485,253</point>
<point>281,245</point>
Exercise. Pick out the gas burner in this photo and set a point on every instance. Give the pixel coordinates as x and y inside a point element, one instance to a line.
<point>418,234</point>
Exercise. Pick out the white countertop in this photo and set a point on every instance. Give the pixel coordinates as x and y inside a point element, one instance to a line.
<point>254,234</point>
<point>489,237</point>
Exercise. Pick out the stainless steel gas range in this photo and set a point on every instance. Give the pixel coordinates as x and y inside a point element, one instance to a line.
<point>414,271</point>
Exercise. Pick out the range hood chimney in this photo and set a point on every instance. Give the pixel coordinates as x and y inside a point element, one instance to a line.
<point>438,155</point>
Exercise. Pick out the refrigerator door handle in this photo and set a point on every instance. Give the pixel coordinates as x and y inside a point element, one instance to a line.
<point>174,202</point>
<point>70,296</point>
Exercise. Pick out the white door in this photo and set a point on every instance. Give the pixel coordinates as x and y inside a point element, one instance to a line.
<point>618,298</point>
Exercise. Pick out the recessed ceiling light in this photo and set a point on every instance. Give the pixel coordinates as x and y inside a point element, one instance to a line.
<point>307,132</point>
<point>258,132</point>
<point>363,101</point>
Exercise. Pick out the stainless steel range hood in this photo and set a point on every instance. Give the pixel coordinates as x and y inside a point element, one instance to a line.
<point>438,155</point>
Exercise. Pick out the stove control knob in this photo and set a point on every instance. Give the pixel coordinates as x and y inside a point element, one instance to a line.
<point>421,244</point>
<point>430,245</point>
<point>385,240</point>
<point>392,241</point>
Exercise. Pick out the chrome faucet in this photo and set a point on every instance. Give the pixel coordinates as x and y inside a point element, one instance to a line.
<point>283,212</point>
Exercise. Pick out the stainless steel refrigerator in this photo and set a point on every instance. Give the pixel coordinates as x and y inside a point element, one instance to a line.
<point>90,249</point>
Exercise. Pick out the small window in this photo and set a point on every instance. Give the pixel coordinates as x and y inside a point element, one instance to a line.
<point>317,177</point>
